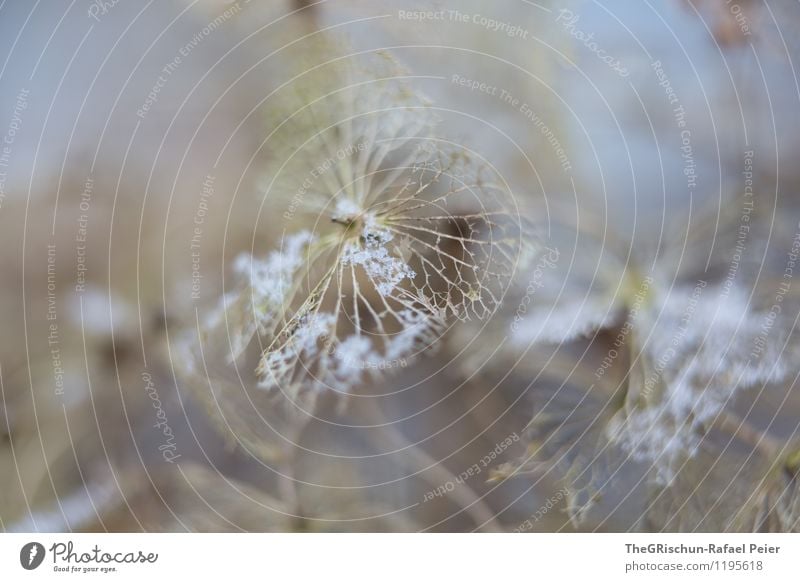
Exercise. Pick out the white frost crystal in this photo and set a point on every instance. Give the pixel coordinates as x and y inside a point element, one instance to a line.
<point>384,270</point>
<point>280,364</point>
<point>270,278</point>
<point>701,347</point>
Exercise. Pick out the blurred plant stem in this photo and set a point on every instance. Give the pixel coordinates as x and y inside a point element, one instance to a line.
<point>779,453</point>
<point>287,479</point>
<point>433,471</point>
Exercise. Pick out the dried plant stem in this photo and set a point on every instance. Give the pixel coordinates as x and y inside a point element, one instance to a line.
<point>287,482</point>
<point>434,472</point>
<point>741,429</point>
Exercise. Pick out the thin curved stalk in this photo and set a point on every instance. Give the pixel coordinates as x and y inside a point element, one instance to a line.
<point>432,470</point>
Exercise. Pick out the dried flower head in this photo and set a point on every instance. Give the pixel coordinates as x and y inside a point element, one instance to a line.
<point>399,233</point>
<point>653,375</point>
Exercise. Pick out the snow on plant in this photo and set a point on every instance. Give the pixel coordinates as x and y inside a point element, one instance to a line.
<point>699,353</point>
<point>394,233</point>
<point>683,355</point>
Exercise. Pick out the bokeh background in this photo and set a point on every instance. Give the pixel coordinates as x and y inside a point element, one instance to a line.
<point>125,123</point>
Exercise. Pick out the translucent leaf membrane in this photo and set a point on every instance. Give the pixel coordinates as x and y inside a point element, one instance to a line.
<point>393,278</point>
<point>399,233</point>
<point>335,125</point>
